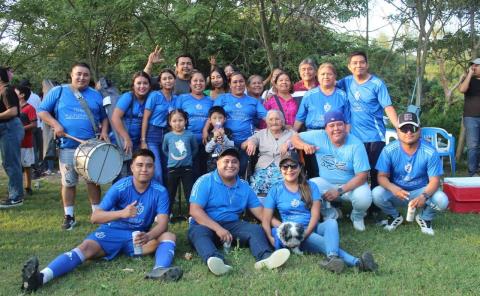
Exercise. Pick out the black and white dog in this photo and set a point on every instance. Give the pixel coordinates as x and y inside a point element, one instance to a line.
<point>291,235</point>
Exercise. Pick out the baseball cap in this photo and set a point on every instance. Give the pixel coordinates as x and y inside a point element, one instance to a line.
<point>332,116</point>
<point>290,155</point>
<point>408,118</point>
<point>475,61</point>
<point>229,151</point>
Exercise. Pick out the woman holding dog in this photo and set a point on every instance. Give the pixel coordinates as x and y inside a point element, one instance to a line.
<point>298,201</point>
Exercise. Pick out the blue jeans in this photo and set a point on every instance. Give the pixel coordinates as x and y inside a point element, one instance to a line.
<point>154,143</point>
<point>472,136</point>
<point>205,241</point>
<point>11,136</point>
<point>360,197</point>
<point>325,239</point>
<point>387,202</point>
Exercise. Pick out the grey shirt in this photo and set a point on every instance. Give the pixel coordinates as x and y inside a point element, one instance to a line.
<point>269,147</point>
<point>181,86</point>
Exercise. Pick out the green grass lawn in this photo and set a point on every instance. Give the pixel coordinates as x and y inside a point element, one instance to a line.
<point>410,263</point>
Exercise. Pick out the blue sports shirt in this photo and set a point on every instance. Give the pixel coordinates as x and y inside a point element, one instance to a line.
<point>197,110</point>
<point>290,204</point>
<point>241,115</point>
<point>410,172</point>
<point>337,165</point>
<point>69,112</point>
<point>132,115</point>
<point>223,203</point>
<point>160,107</point>
<point>315,104</point>
<point>367,102</point>
<point>152,202</point>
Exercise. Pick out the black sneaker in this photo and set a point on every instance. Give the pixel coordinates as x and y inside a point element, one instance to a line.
<point>10,203</point>
<point>169,274</point>
<point>367,263</point>
<point>393,223</point>
<point>333,264</point>
<point>68,222</point>
<point>31,278</point>
<point>28,191</point>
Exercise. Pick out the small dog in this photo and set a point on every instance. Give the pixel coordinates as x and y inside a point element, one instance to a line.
<point>291,235</point>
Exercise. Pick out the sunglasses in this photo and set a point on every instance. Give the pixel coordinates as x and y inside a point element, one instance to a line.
<point>409,128</point>
<point>292,166</point>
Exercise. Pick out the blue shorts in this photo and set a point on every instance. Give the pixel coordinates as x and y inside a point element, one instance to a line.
<point>113,241</point>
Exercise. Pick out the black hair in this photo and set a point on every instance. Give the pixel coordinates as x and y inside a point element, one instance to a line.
<point>183,55</point>
<point>140,74</point>
<point>81,64</point>
<point>24,90</point>
<point>4,74</point>
<point>177,111</point>
<point>224,78</point>
<point>170,71</point>
<point>195,72</point>
<point>236,73</point>
<point>143,152</point>
<point>357,53</point>
<point>280,74</point>
<point>217,109</point>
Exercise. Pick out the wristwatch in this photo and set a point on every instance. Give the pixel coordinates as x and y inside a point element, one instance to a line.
<point>340,190</point>
<point>426,195</point>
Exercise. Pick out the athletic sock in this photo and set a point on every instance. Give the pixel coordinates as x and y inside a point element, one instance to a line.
<point>63,264</point>
<point>68,210</point>
<point>164,254</point>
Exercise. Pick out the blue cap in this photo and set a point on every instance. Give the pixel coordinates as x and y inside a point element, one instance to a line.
<point>333,116</point>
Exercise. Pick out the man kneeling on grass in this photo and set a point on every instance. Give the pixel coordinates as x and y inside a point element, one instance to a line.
<point>216,203</point>
<point>131,204</point>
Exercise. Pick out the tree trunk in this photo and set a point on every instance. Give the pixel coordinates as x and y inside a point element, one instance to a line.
<point>267,39</point>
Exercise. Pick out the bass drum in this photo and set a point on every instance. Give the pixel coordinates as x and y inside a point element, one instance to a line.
<point>97,161</point>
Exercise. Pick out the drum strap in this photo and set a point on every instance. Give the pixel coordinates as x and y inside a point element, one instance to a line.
<point>85,108</point>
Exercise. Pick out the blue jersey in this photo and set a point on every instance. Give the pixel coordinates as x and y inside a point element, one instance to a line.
<point>160,107</point>
<point>197,110</point>
<point>290,204</point>
<point>367,102</point>
<point>69,112</point>
<point>132,115</point>
<point>241,115</point>
<point>180,149</point>
<point>315,104</point>
<point>337,165</point>
<point>150,203</point>
<point>223,203</point>
<point>410,172</point>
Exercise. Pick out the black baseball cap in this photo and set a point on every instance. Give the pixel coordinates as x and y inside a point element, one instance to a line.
<point>408,118</point>
<point>230,151</point>
<point>291,155</point>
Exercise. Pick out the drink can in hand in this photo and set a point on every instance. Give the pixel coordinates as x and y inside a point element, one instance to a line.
<point>227,245</point>
<point>137,248</point>
<point>410,212</point>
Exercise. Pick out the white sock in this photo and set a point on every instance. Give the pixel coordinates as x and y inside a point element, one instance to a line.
<point>68,210</point>
<point>94,207</point>
<point>47,275</point>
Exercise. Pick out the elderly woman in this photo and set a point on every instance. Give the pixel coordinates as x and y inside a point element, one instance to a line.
<point>272,142</point>
<point>306,69</point>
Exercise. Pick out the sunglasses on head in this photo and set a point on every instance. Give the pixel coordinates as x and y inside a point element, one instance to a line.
<point>293,166</point>
<point>409,128</point>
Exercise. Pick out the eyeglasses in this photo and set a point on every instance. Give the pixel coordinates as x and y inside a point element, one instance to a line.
<point>409,128</point>
<point>292,166</point>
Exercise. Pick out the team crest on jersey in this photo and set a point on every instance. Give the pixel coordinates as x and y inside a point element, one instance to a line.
<point>357,95</point>
<point>69,255</point>
<point>295,203</point>
<point>140,208</point>
<point>100,234</point>
<point>199,107</point>
<point>408,168</point>
<point>327,107</point>
<point>238,105</point>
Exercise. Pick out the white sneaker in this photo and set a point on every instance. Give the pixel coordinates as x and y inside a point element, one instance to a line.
<point>277,259</point>
<point>393,223</point>
<point>217,266</point>
<point>425,226</point>
<point>359,225</point>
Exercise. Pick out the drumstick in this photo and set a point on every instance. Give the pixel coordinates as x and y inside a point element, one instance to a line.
<point>75,139</point>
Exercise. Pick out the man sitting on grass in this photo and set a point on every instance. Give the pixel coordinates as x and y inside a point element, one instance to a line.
<point>409,172</point>
<point>131,204</point>
<point>216,203</point>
